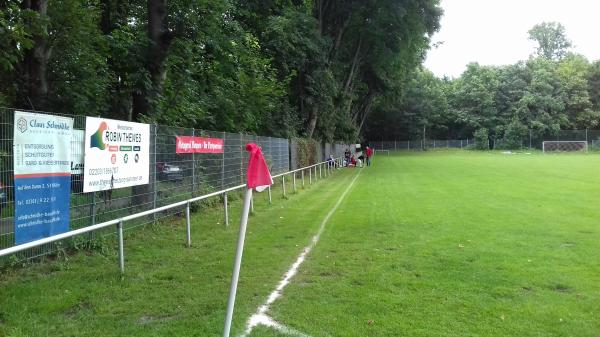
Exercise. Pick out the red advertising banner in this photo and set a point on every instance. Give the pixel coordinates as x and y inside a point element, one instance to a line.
<point>189,144</point>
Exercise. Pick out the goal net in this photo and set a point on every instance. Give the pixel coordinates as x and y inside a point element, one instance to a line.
<point>564,146</point>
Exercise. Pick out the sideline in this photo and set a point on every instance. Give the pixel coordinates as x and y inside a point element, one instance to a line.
<point>261,317</point>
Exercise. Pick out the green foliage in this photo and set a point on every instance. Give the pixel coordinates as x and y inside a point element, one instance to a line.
<point>514,135</point>
<point>481,139</point>
<point>544,94</point>
<point>551,39</point>
<point>283,68</point>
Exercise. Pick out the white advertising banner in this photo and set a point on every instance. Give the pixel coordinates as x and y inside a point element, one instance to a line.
<point>117,154</point>
<point>42,173</point>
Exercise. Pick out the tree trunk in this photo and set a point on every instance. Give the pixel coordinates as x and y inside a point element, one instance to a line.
<point>160,38</point>
<point>353,67</point>
<point>35,60</point>
<point>312,122</point>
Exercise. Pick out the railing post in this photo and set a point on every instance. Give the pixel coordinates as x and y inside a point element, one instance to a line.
<point>310,175</point>
<point>283,184</point>
<point>294,181</point>
<point>121,249</point>
<point>154,182</point>
<point>226,210</point>
<point>320,171</point>
<point>269,188</point>
<point>188,224</point>
<point>302,179</point>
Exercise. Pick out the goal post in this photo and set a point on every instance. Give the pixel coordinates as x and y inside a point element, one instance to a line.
<point>564,146</point>
<point>375,151</point>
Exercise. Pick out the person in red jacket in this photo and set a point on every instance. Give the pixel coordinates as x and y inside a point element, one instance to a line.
<point>369,155</point>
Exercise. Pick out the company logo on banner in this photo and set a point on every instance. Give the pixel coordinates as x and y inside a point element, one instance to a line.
<point>42,169</point>
<point>109,146</point>
<point>188,144</point>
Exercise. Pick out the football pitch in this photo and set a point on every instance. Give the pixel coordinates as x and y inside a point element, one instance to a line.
<point>439,243</point>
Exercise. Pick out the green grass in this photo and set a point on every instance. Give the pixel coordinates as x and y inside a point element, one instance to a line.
<point>457,244</point>
<point>442,243</point>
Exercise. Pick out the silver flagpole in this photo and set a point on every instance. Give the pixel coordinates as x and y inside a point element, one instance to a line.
<point>237,262</point>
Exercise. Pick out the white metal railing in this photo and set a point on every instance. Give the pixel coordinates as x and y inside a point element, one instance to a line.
<point>329,166</point>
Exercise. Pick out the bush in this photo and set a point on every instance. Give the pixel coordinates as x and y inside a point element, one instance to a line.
<point>481,139</point>
<point>514,134</point>
<point>307,151</point>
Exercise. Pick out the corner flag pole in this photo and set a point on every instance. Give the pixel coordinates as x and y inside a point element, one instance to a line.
<point>237,262</point>
<point>258,177</point>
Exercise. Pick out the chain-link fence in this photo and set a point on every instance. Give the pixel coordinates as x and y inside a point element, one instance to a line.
<point>398,145</point>
<point>173,177</point>
<point>532,140</point>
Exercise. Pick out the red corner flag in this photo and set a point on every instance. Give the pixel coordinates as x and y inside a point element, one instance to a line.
<point>258,174</point>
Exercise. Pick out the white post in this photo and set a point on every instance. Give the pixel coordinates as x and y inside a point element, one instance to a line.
<point>302,179</point>
<point>294,182</point>
<point>270,201</point>
<point>320,171</point>
<point>226,210</point>
<point>283,184</point>
<point>310,175</point>
<point>237,263</point>
<point>188,225</point>
<point>121,249</point>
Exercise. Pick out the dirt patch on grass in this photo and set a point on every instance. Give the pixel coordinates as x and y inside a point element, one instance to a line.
<point>148,319</point>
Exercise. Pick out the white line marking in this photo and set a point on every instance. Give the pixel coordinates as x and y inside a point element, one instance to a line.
<point>261,317</point>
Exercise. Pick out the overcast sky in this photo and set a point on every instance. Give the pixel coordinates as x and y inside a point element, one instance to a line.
<point>494,32</point>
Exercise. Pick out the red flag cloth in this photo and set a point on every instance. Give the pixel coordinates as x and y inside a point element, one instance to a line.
<point>258,174</point>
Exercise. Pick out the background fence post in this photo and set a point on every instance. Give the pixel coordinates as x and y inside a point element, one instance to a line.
<point>530,139</point>
<point>242,159</point>
<point>93,208</point>
<point>283,184</point>
<point>223,164</point>
<point>193,166</point>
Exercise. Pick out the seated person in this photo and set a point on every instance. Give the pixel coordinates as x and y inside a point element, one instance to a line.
<point>330,161</point>
<point>352,161</point>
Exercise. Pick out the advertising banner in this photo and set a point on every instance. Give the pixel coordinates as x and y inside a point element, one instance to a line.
<point>42,169</point>
<point>188,144</point>
<point>117,154</point>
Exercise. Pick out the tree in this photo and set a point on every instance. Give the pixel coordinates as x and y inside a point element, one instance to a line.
<point>474,98</point>
<point>552,41</point>
<point>573,71</point>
